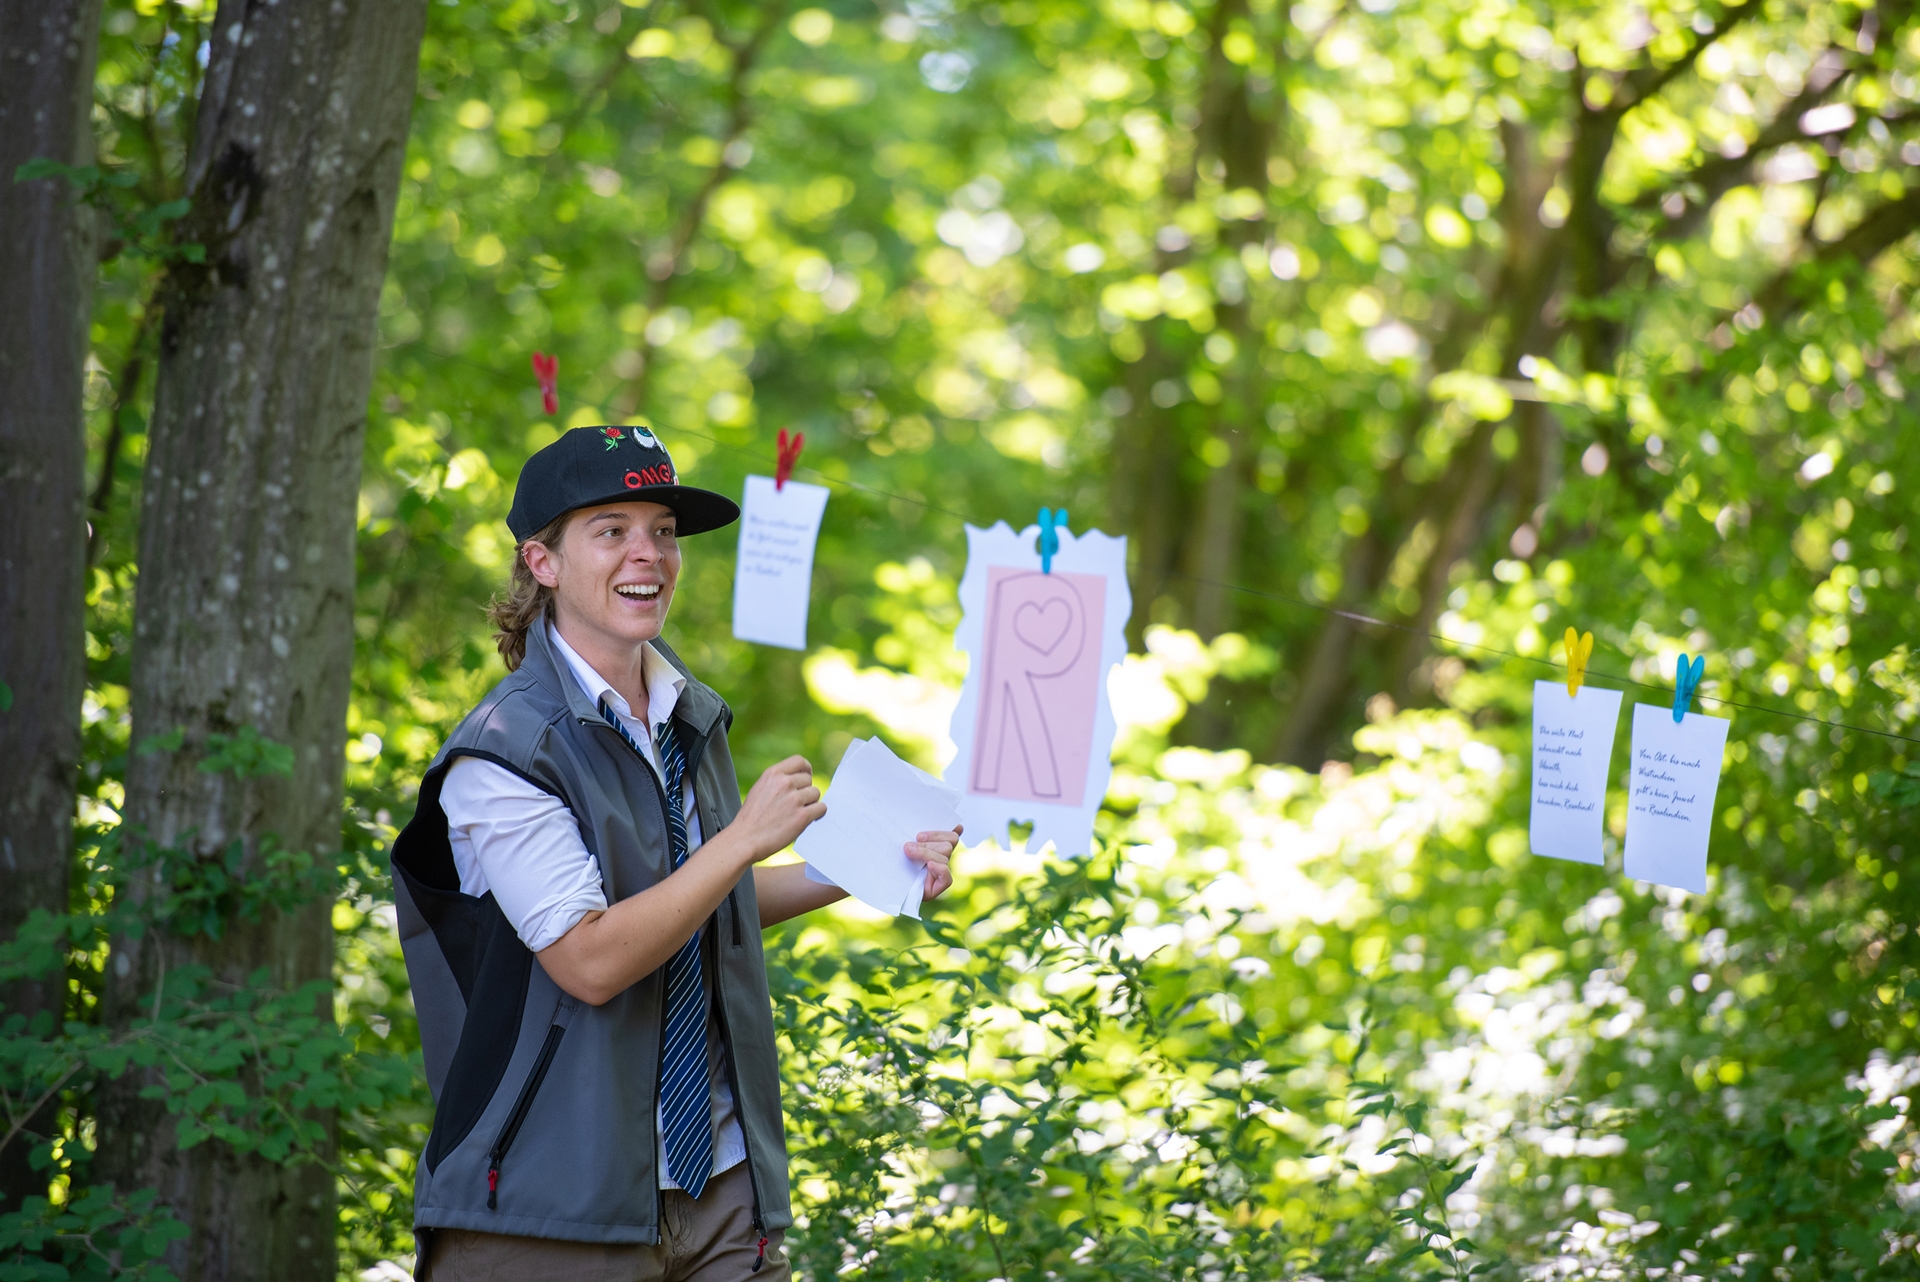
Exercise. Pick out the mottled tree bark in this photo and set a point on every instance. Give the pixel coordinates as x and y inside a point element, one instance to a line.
<point>48,261</point>
<point>243,616</point>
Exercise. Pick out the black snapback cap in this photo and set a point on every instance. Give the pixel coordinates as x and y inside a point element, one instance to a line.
<point>589,465</point>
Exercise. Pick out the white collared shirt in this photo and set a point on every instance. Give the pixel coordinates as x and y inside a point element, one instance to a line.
<point>524,845</point>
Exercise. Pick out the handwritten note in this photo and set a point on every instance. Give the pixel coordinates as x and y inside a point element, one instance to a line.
<point>773,577</point>
<point>1674,775</point>
<point>1572,744</point>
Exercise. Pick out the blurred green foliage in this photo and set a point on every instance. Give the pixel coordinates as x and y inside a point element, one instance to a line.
<point>988,256</point>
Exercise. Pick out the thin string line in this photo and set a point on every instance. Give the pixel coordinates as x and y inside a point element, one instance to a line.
<point>1269,595</point>
<point>1548,663</point>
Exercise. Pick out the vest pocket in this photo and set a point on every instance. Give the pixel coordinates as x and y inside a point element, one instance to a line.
<point>524,1102</point>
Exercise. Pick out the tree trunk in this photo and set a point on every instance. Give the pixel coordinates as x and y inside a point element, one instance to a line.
<point>48,261</point>
<point>243,616</point>
<point>1241,137</point>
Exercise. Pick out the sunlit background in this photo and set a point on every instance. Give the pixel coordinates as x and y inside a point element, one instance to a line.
<point>1475,317</point>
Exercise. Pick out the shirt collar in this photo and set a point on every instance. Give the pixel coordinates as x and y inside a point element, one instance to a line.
<point>664,682</point>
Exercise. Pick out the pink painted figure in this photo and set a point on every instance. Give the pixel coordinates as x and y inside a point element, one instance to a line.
<point>1041,690</point>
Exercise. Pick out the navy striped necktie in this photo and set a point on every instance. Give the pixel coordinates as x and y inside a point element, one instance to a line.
<point>686,1103</point>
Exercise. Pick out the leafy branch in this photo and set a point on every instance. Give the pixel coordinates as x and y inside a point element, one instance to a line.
<point>137,228</point>
<point>96,1236</point>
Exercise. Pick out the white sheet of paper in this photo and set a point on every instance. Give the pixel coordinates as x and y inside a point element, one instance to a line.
<point>814,874</point>
<point>773,574</point>
<point>875,805</point>
<point>1674,775</point>
<point>1572,745</point>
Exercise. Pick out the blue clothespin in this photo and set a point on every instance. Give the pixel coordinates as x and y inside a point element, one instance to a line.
<point>1051,523</point>
<point>1685,679</point>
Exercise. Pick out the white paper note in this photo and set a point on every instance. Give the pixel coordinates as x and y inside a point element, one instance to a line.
<point>773,575</point>
<point>876,804</point>
<point>1674,775</point>
<point>1572,744</point>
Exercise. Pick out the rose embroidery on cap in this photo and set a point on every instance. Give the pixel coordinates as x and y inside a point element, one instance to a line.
<point>613,435</point>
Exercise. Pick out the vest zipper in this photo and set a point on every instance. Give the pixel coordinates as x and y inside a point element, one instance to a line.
<point>733,901</point>
<point>740,1113</point>
<point>504,1140</point>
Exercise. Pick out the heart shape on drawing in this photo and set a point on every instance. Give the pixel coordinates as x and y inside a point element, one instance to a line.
<point>1043,626</point>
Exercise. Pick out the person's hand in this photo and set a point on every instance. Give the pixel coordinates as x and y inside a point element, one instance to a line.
<point>935,850</point>
<point>778,808</point>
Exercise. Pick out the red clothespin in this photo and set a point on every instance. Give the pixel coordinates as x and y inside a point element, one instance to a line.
<point>547,370</point>
<point>787,456</point>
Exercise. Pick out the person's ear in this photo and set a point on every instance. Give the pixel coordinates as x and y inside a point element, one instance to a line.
<point>542,563</point>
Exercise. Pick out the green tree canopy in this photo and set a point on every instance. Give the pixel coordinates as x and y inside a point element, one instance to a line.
<point>1397,337</point>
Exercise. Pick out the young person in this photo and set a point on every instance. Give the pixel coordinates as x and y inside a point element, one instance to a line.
<point>581,914</point>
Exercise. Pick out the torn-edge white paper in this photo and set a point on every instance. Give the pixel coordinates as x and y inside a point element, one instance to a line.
<point>1672,778</point>
<point>1572,748</point>
<point>876,804</point>
<point>1034,727</point>
<point>773,569</point>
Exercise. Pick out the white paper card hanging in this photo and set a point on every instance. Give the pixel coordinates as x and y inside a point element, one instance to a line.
<point>1572,746</point>
<point>773,572</point>
<point>1671,783</point>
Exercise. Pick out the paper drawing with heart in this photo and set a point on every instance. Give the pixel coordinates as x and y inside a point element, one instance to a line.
<point>1033,731</point>
<point>1040,687</point>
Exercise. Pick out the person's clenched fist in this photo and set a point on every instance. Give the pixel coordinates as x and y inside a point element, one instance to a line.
<point>935,850</point>
<point>779,806</point>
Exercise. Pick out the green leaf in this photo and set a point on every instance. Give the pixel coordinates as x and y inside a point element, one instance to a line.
<point>42,167</point>
<point>170,741</point>
<point>246,754</point>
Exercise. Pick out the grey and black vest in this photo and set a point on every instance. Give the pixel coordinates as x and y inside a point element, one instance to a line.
<point>544,1106</point>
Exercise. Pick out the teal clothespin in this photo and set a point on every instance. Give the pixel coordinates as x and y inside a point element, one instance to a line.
<point>1685,679</point>
<point>1051,523</point>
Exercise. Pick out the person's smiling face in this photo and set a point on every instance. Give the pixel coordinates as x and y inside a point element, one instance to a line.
<point>613,575</point>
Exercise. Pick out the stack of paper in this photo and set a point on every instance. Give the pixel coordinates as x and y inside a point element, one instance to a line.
<point>876,804</point>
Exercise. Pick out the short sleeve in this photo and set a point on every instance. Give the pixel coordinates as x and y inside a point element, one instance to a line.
<point>528,848</point>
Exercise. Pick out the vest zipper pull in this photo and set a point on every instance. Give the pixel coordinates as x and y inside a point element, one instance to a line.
<point>493,1187</point>
<point>761,1258</point>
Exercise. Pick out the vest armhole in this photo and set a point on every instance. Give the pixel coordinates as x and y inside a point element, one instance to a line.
<point>493,758</point>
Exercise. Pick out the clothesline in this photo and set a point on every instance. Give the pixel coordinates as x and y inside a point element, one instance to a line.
<point>1271,595</point>
<point>1357,617</point>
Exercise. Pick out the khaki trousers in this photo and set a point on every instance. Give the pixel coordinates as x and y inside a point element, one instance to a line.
<point>711,1240</point>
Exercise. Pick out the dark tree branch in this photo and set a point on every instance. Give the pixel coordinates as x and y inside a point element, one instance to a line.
<point>1717,176</point>
<point>1644,82</point>
<point>661,270</point>
<point>1884,227</point>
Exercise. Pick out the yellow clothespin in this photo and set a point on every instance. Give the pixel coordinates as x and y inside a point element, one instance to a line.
<point>1579,650</point>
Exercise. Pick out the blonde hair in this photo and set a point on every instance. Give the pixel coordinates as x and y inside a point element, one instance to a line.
<point>526,601</point>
